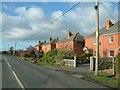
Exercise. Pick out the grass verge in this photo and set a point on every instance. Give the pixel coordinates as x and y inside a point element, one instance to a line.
<point>105,79</point>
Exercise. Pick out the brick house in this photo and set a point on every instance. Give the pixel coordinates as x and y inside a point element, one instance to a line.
<point>73,42</point>
<point>38,47</point>
<point>50,45</point>
<point>109,40</point>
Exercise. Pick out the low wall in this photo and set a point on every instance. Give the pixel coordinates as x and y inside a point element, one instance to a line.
<point>69,62</point>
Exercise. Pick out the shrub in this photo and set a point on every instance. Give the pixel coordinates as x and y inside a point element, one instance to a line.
<point>63,54</point>
<point>86,55</point>
<point>56,56</point>
<point>49,57</point>
<point>117,64</point>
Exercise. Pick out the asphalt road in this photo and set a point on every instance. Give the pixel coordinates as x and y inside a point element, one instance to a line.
<point>0,72</point>
<point>29,75</point>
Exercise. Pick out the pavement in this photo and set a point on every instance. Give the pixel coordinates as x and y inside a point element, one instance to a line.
<point>82,68</point>
<point>18,73</point>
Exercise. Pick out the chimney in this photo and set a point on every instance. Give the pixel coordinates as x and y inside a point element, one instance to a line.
<point>39,41</point>
<point>108,24</point>
<point>69,34</point>
<point>50,39</point>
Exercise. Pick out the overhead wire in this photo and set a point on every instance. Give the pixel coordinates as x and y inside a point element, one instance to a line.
<point>58,18</point>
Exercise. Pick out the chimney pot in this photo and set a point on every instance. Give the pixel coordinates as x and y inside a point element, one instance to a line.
<point>50,39</point>
<point>108,24</point>
<point>39,41</point>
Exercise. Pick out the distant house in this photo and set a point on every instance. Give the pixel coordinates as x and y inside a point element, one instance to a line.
<point>109,40</point>
<point>38,47</point>
<point>74,42</point>
<point>50,45</point>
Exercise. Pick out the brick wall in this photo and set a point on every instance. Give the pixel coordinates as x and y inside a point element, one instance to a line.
<point>46,48</point>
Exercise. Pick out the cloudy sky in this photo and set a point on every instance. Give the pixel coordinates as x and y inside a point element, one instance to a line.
<point>24,22</point>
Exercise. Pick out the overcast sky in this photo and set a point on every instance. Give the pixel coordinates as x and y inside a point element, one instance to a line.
<point>24,21</point>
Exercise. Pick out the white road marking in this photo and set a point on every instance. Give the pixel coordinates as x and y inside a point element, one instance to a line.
<point>8,64</point>
<point>5,59</point>
<point>21,85</point>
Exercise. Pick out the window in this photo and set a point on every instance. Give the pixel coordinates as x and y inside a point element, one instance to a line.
<point>94,41</point>
<point>111,53</point>
<point>111,39</point>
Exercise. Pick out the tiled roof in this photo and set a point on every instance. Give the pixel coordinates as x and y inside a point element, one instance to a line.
<point>51,42</point>
<point>74,37</point>
<point>103,31</point>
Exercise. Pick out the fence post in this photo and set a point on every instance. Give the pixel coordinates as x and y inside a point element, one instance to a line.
<point>74,61</point>
<point>113,62</point>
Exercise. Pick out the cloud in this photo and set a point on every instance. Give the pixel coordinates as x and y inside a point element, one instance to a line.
<point>5,6</point>
<point>29,23</point>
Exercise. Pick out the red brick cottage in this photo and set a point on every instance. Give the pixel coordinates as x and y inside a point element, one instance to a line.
<point>50,45</point>
<point>38,47</point>
<point>73,42</point>
<point>109,40</point>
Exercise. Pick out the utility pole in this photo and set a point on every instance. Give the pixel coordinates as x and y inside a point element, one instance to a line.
<point>97,36</point>
<point>8,47</point>
<point>14,48</point>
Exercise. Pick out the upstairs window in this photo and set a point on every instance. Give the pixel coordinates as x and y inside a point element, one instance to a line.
<point>94,41</point>
<point>111,39</point>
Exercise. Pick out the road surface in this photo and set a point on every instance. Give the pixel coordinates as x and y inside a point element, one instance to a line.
<point>19,73</point>
<point>0,72</point>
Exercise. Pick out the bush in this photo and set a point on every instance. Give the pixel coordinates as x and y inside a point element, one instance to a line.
<point>50,56</point>
<point>63,54</point>
<point>117,64</point>
<point>86,55</point>
<point>56,56</point>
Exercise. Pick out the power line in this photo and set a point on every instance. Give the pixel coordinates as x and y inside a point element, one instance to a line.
<point>59,17</point>
<point>109,13</point>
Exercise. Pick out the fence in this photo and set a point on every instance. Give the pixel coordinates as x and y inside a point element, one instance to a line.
<point>103,64</point>
<point>69,62</point>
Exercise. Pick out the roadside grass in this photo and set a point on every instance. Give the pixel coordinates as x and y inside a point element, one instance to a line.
<point>105,79</point>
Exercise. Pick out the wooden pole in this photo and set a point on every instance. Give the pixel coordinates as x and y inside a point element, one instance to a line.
<point>97,36</point>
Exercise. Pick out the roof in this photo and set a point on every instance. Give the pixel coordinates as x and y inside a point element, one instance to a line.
<point>74,37</point>
<point>40,44</point>
<point>51,42</point>
<point>103,31</point>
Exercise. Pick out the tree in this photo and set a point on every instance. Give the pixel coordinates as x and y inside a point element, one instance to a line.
<point>11,49</point>
<point>30,46</point>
